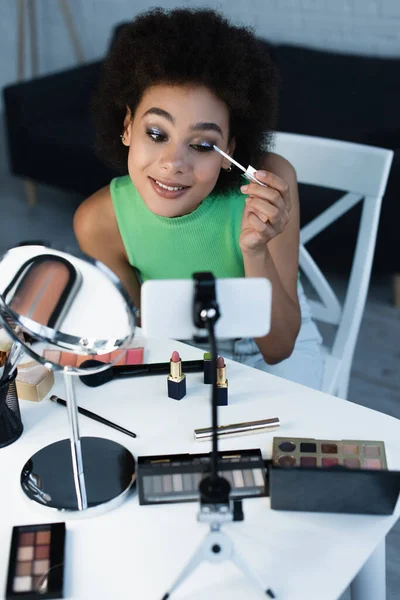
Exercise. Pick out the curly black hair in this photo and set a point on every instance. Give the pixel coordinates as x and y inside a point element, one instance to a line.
<point>190,46</point>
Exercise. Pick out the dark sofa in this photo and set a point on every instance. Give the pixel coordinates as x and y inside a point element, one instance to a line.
<point>354,98</point>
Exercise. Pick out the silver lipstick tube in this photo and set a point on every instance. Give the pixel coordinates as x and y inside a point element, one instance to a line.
<point>225,431</point>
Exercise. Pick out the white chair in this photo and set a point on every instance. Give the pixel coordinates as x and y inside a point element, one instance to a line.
<point>362,171</point>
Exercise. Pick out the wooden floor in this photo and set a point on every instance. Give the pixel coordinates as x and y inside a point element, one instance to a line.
<point>375,378</point>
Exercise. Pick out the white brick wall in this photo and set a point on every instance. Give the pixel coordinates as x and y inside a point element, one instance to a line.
<point>358,26</point>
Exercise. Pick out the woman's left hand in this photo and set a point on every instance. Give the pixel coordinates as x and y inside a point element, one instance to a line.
<point>266,213</point>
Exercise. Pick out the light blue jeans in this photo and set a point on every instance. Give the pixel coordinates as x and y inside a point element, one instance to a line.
<point>306,363</point>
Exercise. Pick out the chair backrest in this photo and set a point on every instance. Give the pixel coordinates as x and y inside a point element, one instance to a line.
<point>363,172</point>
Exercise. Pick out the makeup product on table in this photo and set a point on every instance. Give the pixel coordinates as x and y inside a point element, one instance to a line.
<point>34,381</point>
<point>222,383</point>
<point>132,356</point>
<point>235,429</point>
<point>207,368</point>
<point>36,564</point>
<point>345,476</point>
<point>176,477</point>
<point>116,372</point>
<point>248,173</point>
<point>176,381</point>
<point>309,452</point>
<point>92,415</point>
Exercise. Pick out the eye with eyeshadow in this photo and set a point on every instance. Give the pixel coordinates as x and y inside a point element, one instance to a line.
<point>203,147</point>
<point>157,137</point>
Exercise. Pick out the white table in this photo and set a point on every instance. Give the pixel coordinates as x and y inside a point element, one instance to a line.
<point>137,551</point>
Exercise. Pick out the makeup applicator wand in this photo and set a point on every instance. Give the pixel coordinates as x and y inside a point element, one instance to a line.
<point>118,371</point>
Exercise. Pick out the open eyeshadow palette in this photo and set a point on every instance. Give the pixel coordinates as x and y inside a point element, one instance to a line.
<point>36,566</point>
<point>176,477</point>
<point>308,452</point>
<point>133,356</point>
<point>345,476</point>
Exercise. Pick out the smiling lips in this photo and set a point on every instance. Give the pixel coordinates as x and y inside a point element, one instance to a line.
<point>168,189</point>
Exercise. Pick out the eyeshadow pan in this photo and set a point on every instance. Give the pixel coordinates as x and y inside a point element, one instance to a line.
<point>135,356</point>
<point>308,447</point>
<point>238,478</point>
<point>167,483</point>
<point>353,463</point>
<point>350,449</point>
<point>104,358</point>
<point>177,482</point>
<point>27,538</point>
<point>308,461</point>
<point>287,446</point>
<point>372,451</point>
<point>157,484</point>
<point>147,485</point>
<point>42,551</point>
<point>287,461</point>
<point>52,355</point>
<point>22,584</point>
<point>24,568</point>
<point>329,448</point>
<point>258,477</point>
<point>372,463</point>
<point>68,359</point>
<point>187,482</point>
<point>43,537</point>
<point>329,462</point>
<point>25,553</point>
<point>248,478</point>
<point>40,566</point>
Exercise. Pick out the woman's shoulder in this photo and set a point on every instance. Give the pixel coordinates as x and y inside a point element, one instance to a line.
<point>277,164</point>
<point>95,222</point>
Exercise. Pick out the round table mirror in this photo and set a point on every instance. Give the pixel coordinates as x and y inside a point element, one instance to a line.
<point>60,309</point>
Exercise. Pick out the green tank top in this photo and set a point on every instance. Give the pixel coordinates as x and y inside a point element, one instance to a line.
<point>174,248</point>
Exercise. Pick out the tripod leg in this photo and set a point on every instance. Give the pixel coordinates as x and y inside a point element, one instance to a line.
<point>196,559</point>
<point>248,571</point>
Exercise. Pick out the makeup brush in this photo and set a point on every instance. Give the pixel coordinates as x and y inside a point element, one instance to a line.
<point>189,366</point>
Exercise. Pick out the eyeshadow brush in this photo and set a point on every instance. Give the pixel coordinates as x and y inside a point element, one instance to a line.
<point>96,379</point>
<point>92,415</point>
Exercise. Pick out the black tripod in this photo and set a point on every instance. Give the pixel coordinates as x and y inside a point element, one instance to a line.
<point>216,508</point>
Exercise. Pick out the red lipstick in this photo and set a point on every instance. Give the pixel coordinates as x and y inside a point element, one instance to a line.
<point>222,383</point>
<point>176,380</point>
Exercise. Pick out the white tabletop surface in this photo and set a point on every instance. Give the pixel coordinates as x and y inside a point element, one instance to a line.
<point>137,551</point>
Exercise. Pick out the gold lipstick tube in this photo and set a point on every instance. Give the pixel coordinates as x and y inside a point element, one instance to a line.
<point>176,381</point>
<point>221,377</point>
<point>235,429</point>
<point>175,371</point>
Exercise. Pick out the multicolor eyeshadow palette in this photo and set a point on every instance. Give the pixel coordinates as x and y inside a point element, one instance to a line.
<point>36,566</point>
<point>176,478</point>
<point>346,476</point>
<point>133,356</point>
<point>308,452</point>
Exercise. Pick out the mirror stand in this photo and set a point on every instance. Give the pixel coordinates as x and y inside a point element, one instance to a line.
<point>40,289</point>
<point>84,476</point>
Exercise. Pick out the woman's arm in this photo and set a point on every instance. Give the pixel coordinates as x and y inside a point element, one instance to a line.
<point>270,247</point>
<point>96,229</point>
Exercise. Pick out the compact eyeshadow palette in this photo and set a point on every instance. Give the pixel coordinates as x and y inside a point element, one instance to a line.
<point>133,356</point>
<point>308,452</point>
<point>340,476</point>
<point>36,565</point>
<point>176,478</point>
